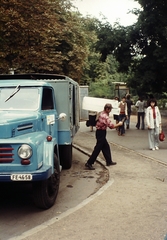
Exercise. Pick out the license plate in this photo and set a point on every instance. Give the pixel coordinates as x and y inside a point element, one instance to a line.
<point>21,177</point>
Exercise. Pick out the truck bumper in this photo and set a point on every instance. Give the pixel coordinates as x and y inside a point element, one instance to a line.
<point>39,175</point>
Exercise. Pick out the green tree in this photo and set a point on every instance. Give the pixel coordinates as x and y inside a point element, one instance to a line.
<point>104,86</point>
<point>41,36</point>
<point>101,68</point>
<point>106,39</point>
<point>114,40</point>
<point>91,66</point>
<point>27,30</point>
<point>149,37</point>
<point>74,45</point>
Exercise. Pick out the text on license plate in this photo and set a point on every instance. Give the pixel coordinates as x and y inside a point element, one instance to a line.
<point>21,177</point>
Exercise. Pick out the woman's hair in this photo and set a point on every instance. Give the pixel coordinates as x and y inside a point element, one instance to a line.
<point>153,100</point>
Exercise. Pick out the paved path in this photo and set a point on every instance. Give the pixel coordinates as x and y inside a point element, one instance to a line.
<point>135,140</point>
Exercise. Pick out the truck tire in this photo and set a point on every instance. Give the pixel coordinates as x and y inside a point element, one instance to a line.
<point>45,192</point>
<point>65,153</point>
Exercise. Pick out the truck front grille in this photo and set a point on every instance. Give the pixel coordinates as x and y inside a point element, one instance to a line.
<point>6,154</point>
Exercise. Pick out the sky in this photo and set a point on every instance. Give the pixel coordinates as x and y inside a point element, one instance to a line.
<point>113,10</point>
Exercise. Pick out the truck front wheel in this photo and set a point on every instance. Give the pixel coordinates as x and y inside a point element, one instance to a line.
<point>45,192</point>
<point>65,152</point>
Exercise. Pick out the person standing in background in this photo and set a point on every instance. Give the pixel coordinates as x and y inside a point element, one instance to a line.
<point>92,119</point>
<point>153,120</point>
<point>116,114</point>
<point>129,110</point>
<point>122,116</point>
<point>140,105</point>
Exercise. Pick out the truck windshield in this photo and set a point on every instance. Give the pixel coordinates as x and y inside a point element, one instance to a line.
<point>25,99</point>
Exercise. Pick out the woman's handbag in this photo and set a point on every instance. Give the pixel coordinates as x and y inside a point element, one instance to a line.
<point>161,135</point>
<point>87,123</point>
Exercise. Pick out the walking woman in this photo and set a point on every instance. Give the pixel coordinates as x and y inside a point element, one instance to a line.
<point>153,120</point>
<point>92,120</point>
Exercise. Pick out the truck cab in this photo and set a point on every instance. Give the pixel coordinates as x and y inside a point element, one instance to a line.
<point>38,121</point>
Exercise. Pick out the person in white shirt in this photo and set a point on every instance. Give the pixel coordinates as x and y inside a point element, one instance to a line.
<point>140,105</point>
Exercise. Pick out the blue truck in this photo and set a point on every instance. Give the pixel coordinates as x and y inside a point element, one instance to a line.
<point>39,117</point>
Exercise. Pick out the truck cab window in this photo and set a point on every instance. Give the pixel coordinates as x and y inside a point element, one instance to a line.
<point>47,99</point>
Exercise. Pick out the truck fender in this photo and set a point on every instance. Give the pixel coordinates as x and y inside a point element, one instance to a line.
<point>48,153</point>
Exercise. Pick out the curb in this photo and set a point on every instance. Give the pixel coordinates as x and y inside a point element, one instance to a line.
<point>98,160</point>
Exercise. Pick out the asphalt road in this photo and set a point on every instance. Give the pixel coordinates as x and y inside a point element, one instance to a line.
<point>18,213</point>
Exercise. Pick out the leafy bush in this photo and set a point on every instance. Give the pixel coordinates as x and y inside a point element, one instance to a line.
<point>101,90</point>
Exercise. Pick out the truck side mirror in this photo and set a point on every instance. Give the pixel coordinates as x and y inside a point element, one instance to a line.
<point>62,116</point>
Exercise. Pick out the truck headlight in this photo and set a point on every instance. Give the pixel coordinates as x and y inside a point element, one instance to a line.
<point>25,151</point>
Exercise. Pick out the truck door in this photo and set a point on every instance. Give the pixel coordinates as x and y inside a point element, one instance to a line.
<point>49,114</point>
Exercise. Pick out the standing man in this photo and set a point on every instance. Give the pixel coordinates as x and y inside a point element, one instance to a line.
<point>102,145</point>
<point>140,105</point>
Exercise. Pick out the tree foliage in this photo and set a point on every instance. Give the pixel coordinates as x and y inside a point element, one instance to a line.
<point>140,49</point>
<point>27,34</point>
<point>149,38</point>
<point>48,36</point>
<point>41,36</point>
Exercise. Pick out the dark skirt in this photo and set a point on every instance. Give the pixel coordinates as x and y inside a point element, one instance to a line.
<point>116,117</point>
<point>92,120</point>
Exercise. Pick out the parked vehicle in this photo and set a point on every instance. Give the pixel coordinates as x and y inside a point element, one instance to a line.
<point>39,116</point>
